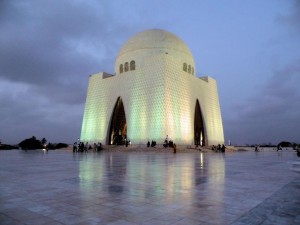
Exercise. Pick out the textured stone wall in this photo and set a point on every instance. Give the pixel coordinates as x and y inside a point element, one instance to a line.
<point>159,98</point>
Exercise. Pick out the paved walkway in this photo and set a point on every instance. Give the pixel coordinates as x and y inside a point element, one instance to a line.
<point>148,188</point>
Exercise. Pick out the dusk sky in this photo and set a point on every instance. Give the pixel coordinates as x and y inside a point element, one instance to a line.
<point>48,49</point>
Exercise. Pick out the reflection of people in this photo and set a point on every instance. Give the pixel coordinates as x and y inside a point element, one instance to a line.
<point>174,148</point>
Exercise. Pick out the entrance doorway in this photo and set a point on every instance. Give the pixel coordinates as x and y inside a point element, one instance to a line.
<point>118,127</point>
<point>199,132</point>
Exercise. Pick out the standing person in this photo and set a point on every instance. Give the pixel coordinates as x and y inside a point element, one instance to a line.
<point>81,146</point>
<point>279,148</point>
<point>174,148</point>
<point>153,144</point>
<point>75,147</point>
<point>99,146</point>
<point>223,148</point>
<point>166,143</point>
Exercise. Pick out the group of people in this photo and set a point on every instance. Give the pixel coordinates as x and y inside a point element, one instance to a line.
<point>153,144</point>
<point>81,147</point>
<point>167,143</point>
<point>219,148</point>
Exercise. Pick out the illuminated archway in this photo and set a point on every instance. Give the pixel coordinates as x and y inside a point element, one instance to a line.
<point>199,128</point>
<point>118,127</point>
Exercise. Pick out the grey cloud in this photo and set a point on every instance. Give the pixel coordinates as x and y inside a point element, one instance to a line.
<point>68,94</point>
<point>49,44</point>
<point>48,49</point>
<point>293,18</point>
<point>283,80</point>
<point>24,113</point>
<point>55,45</point>
<point>280,92</point>
<point>272,112</point>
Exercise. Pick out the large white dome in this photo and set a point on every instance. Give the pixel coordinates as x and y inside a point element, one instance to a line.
<point>154,49</point>
<point>155,39</point>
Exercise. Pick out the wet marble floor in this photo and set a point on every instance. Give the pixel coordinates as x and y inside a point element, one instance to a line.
<point>148,188</point>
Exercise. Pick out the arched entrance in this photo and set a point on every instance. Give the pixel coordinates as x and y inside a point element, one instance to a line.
<point>118,127</point>
<point>199,131</point>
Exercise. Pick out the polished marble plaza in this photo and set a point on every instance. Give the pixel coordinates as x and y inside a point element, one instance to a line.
<point>149,188</point>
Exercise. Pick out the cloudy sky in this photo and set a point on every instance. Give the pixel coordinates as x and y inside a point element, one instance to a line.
<point>48,49</point>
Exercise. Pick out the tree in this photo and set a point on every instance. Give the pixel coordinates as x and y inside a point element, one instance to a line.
<point>57,146</point>
<point>31,143</point>
<point>44,141</point>
<point>7,147</point>
<point>285,144</point>
<point>61,145</point>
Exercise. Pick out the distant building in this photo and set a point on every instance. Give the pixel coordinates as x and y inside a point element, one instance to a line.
<point>153,94</point>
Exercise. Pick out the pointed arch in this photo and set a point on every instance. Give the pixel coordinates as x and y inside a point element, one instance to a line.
<point>189,68</point>
<point>126,67</point>
<point>199,126</point>
<point>185,67</point>
<point>118,127</point>
<point>121,68</point>
<point>132,65</point>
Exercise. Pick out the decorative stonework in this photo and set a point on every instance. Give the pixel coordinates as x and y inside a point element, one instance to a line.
<point>159,97</point>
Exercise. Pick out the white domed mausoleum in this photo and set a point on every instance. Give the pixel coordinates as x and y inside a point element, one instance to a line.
<point>154,92</point>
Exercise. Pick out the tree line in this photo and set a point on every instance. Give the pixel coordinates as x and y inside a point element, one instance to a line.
<point>33,143</point>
